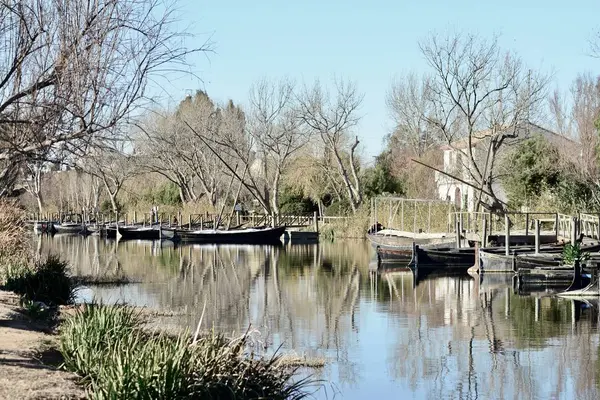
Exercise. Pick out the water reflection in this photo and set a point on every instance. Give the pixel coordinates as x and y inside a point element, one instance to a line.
<point>390,334</point>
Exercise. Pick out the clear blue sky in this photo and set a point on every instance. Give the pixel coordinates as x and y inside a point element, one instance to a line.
<point>370,42</point>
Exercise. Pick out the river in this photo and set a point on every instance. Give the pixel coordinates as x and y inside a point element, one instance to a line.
<point>453,337</point>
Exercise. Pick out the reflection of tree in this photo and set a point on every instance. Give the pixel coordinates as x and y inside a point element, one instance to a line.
<point>450,336</point>
<point>499,347</point>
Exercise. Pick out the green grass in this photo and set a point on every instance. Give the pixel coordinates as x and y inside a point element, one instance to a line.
<point>108,348</point>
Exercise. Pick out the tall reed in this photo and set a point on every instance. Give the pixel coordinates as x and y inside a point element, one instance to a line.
<point>108,348</point>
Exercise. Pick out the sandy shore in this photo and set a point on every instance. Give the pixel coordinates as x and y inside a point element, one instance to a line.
<point>27,365</point>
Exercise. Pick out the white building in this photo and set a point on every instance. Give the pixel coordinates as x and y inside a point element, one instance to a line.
<point>456,163</point>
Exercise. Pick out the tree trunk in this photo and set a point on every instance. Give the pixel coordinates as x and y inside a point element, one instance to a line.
<point>40,202</point>
<point>349,188</point>
<point>275,193</point>
<point>113,201</point>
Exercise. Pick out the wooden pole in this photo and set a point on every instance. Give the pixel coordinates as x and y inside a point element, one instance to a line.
<point>506,235</point>
<point>537,236</point>
<point>134,217</point>
<point>526,224</point>
<point>429,218</point>
<point>573,230</point>
<point>457,232</point>
<point>415,218</point>
<point>201,222</point>
<point>402,220</point>
<point>484,233</point>
<point>557,225</point>
<point>316,221</point>
<point>190,221</point>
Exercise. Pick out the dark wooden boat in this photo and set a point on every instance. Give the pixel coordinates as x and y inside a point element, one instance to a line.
<point>553,258</point>
<point>138,233</point>
<point>445,256</point>
<point>43,227</point>
<point>234,236</point>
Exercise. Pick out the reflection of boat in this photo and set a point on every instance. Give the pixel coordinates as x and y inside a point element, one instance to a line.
<point>234,236</point>
<point>421,274</point>
<point>70,228</point>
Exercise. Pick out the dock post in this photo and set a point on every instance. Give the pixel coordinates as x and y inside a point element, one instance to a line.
<point>506,235</point>
<point>573,230</point>
<point>537,236</point>
<point>598,227</point>
<point>429,218</point>
<point>190,221</point>
<point>201,222</point>
<point>526,224</point>
<point>415,219</point>
<point>316,222</point>
<point>134,217</point>
<point>402,216</point>
<point>556,226</point>
<point>179,221</point>
<point>457,232</point>
<point>169,220</point>
<point>484,233</point>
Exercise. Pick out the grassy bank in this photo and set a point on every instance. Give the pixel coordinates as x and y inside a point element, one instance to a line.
<point>117,359</point>
<point>354,227</point>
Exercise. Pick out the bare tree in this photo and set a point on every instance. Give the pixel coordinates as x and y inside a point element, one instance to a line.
<point>408,104</point>
<point>332,119</point>
<point>585,112</point>
<point>199,115</point>
<point>159,148</point>
<point>479,94</point>
<point>34,174</point>
<point>260,142</point>
<point>559,113</point>
<point>112,166</point>
<point>70,70</point>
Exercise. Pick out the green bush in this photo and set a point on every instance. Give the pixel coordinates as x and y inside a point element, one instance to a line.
<point>107,347</point>
<point>293,202</point>
<point>165,194</point>
<point>47,281</point>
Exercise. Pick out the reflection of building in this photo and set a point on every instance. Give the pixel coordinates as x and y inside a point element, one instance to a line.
<point>457,163</point>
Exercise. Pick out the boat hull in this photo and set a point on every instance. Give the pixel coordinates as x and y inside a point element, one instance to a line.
<point>70,229</point>
<point>245,236</point>
<point>446,256</point>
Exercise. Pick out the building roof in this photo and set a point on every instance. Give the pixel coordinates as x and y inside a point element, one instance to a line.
<point>524,132</point>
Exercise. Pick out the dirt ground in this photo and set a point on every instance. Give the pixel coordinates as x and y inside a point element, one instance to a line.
<point>27,365</point>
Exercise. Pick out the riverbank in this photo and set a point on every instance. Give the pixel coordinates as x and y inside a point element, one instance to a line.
<point>28,359</point>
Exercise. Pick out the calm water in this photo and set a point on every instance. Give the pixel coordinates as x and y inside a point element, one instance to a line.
<point>382,335</point>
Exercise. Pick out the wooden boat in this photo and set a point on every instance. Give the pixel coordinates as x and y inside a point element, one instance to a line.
<point>449,256</point>
<point>495,258</point>
<point>71,228</point>
<point>396,240</point>
<point>234,236</point>
<point>138,233</point>
<point>43,227</point>
<point>427,256</point>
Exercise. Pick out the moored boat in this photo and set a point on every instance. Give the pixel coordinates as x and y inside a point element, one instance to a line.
<point>396,239</point>
<point>71,228</point>
<point>234,236</point>
<point>138,233</point>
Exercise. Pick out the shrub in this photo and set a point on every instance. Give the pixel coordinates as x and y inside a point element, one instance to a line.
<point>108,348</point>
<point>48,282</point>
<point>13,244</point>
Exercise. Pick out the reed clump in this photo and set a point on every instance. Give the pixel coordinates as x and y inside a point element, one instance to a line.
<point>46,281</point>
<point>108,348</point>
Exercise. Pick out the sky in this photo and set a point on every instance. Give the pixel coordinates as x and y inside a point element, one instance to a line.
<point>371,43</point>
